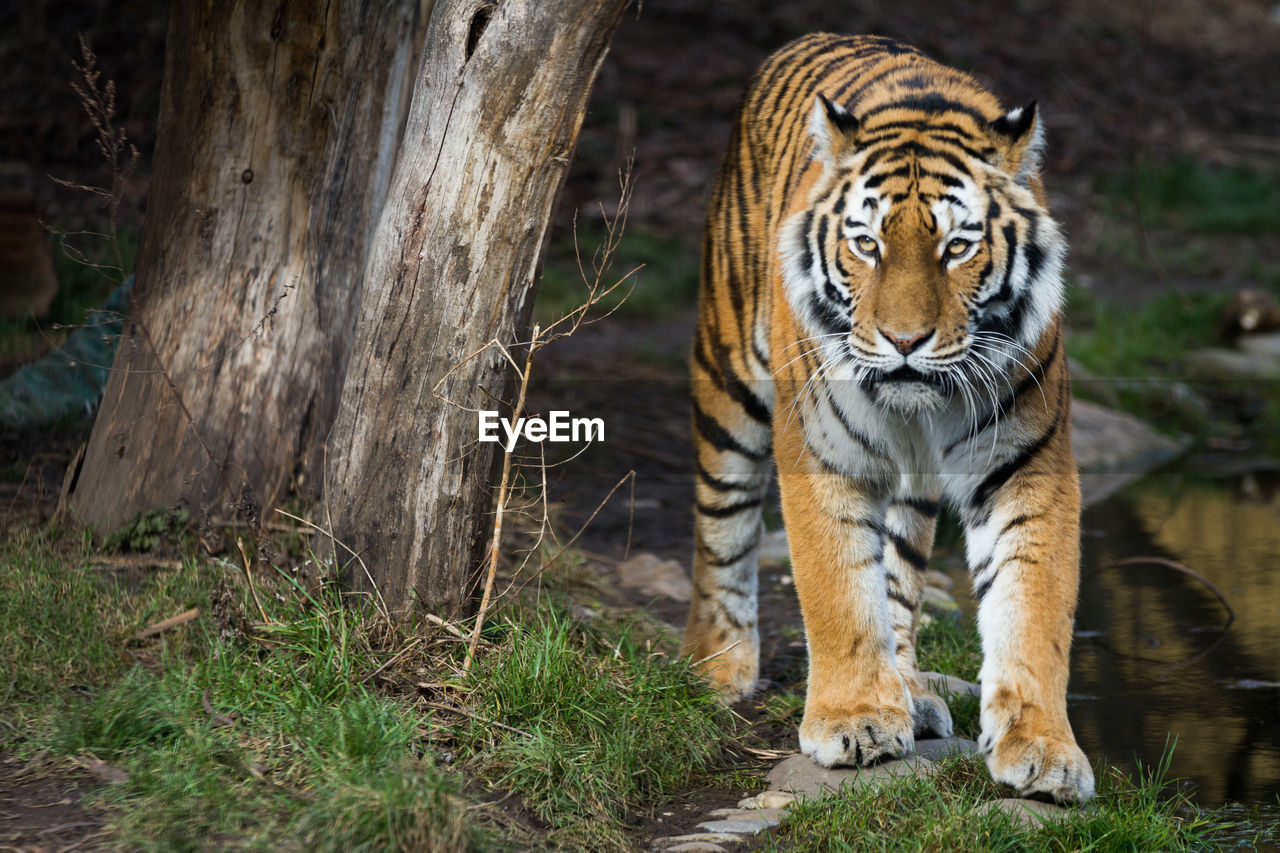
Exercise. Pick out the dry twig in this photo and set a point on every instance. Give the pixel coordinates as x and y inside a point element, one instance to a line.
<point>165,624</point>
<point>567,325</point>
<point>472,715</point>
<point>248,575</point>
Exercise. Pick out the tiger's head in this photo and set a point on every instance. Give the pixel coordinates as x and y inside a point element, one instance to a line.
<point>924,260</point>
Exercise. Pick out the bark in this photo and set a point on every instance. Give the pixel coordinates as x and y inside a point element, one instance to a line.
<point>278,129</point>
<point>497,108</point>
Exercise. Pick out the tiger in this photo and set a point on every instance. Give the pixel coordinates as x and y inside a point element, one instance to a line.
<point>879,322</point>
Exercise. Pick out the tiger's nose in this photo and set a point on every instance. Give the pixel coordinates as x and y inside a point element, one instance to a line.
<point>909,344</point>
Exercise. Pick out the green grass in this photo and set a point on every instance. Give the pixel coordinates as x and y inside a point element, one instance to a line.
<point>254,743</point>
<point>1142,342</point>
<point>1133,355</point>
<point>667,276</point>
<point>599,727</point>
<point>945,812</point>
<point>1198,198</point>
<point>274,737</point>
<point>950,646</point>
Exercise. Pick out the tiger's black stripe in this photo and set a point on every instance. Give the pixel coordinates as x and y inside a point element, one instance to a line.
<point>720,438</point>
<point>997,478</point>
<point>728,510</point>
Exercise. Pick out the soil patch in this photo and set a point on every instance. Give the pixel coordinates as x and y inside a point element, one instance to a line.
<point>41,809</point>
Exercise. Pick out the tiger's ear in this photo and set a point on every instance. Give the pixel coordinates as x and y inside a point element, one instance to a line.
<point>833,129</point>
<point>1021,142</point>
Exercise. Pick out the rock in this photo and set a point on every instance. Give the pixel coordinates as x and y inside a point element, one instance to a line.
<point>1114,449</point>
<point>1267,345</point>
<point>774,552</point>
<point>750,812</point>
<point>676,842</point>
<point>950,685</point>
<point>742,821</point>
<point>654,577</point>
<point>939,599</point>
<point>940,747</point>
<point>768,800</point>
<point>801,776</point>
<point>1216,364</point>
<point>698,847</point>
<point>938,579</point>
<point>1026,812</point>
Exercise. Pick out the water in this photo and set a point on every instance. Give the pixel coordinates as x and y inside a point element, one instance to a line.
<point>1158,656</point>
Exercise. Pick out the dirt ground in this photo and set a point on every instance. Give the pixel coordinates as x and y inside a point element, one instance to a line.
<point>1117,83</point>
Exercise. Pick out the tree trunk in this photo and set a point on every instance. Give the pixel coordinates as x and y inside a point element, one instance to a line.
<point>278,129</point>
<point>497,108</point>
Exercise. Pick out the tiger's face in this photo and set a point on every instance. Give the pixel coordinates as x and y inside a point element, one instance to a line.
<point>924,262</point>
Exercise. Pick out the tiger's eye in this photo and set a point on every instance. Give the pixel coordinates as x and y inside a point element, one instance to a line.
<point>958,247</point>
<point>866,245</point>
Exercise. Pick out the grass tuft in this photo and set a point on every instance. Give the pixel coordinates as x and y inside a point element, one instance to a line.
<point>603,728</point>
<point>946,811</point>
<point>130,714</point>
<point>238,742</point>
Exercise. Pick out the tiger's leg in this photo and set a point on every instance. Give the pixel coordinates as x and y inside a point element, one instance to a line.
<point>909,529</point>
<point>732,450</point>
<point>857,708</point>
<point>1022,538</point>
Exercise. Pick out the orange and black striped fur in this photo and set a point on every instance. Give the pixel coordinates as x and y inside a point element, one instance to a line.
<point>880,318</point>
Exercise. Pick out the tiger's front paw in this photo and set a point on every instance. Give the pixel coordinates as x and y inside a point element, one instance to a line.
<point>1039,765</point>
<point>930,713</point>
<point>730,663</point>
<point>857,736</point>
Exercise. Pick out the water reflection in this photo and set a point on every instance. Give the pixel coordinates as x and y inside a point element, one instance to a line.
<point>1152,661</point>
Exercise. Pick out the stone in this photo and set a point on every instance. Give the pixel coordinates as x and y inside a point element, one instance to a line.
<point>698,847</point>
<point>1265,344</point>
<point>768,800</point>
<point>941,580</point>
<point>675,841</point>
<point>1114,449</point>
<point>945,685</point>
<point>749,812</point>
<point>801,776</point>
<point>940,747</point>
<point>654,577</point>
<point>774,552</point>
<point>1026,812</point>
<point>752,814</point>
<point>939,599</point>
<point>1213,364</point>
<point>738,825</point>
